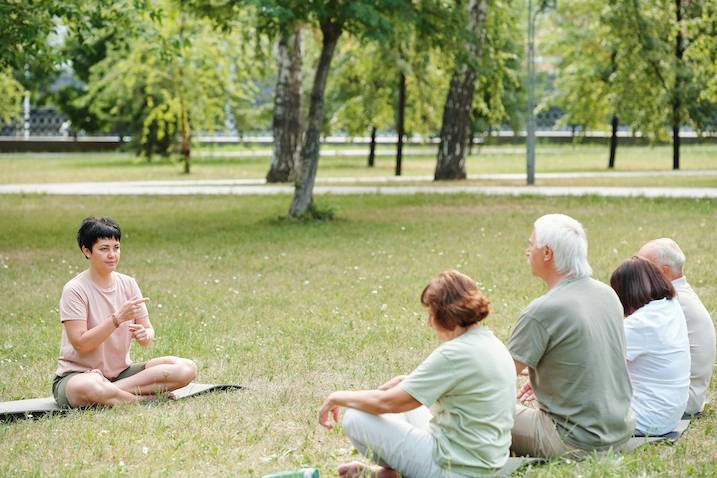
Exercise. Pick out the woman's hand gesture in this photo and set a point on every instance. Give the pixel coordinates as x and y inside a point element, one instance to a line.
<point>327,412</point>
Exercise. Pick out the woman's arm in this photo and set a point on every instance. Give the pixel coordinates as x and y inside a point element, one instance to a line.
<point>86,340</point>
<point>393,382</point>
<point>393,400</point>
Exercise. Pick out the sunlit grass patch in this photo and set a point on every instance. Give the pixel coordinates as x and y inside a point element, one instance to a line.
<point>213,163</point>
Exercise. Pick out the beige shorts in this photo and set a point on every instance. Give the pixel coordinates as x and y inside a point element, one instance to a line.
<point>59,383</point>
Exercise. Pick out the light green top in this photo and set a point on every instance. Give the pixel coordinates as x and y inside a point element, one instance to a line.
<point>469,384</point>
<point>573,340</point>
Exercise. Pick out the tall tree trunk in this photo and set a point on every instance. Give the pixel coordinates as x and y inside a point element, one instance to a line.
<point>372,148</point>
<point>459,102</point>
<point>400,116</point>
<point>614,123</point>
<point>305,176</point>
<point>184,134</point>
<point>287,109</point>
<point>677,94</point>
<point>471,139</point>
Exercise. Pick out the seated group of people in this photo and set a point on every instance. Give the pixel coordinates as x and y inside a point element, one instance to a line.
<point>603,363</point>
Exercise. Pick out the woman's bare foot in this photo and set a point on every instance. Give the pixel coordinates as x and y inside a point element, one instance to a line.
<point>356,469</point>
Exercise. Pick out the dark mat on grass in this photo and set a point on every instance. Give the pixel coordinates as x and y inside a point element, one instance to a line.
<point>671,437</point>
<point>39,406</point>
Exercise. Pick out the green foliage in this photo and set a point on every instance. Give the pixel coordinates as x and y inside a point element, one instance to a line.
<point>11,94</point>
<point>360,92</point>
<point>499,95</point>
<point>618,57</point>
<point>702,54</point>
<point>584,87</point>
<point>176,71</point>
<point>25,26</point>
<point>363,88</point>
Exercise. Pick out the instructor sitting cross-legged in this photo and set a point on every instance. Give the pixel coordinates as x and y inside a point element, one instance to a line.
<point>101,312</point>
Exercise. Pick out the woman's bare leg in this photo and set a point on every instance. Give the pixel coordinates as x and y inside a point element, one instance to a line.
<point>91,388</point>
<point>162,374</point>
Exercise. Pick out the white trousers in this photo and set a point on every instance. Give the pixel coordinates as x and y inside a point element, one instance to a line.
<point>400,441</point>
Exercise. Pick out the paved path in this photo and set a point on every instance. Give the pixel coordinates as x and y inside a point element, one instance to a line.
<point>339,186</point>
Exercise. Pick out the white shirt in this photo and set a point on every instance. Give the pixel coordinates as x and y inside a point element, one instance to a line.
<point>658,360</point>
<point>701,333</point>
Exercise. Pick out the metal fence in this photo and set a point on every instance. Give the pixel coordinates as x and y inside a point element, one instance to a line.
<point>43,121</point>
<point>46,121</point>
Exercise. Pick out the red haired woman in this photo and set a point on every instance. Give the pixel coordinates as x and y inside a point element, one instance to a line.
<point>468,382</point>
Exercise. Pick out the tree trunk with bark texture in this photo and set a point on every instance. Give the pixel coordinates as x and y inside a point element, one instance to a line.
<point>400,115</point>
<point>677,96</point>
<point>614,123</point>
<point>457,110</point>
<point>302,202</point>
<point>287,109</point>
<point>372,148</point>
<point>185,147</point>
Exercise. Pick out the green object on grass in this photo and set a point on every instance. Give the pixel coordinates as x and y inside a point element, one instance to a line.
<point>302,473</point>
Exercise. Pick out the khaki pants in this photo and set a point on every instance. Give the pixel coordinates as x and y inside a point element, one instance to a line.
<point>534,434</point>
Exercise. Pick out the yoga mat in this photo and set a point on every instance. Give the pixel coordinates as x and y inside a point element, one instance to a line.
<point>671,437</point>
<point>39,406</point>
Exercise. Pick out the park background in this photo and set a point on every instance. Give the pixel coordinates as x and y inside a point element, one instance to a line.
<point>297,290</point>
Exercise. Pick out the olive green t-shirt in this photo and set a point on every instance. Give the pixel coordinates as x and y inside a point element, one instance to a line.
<point>469,384</point>
<point>573,341</point>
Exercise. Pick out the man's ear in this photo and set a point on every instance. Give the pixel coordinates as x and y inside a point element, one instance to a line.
<point>86,252</point>
<point>547,253</point>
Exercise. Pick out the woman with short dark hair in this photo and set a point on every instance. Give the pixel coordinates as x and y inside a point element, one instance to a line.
<point>102,311</point>
<point>468,381</point>
<point>657,346</point>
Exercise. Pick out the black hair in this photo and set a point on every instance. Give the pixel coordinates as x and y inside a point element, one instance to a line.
<point>93,228</point>
<point>638,281</point>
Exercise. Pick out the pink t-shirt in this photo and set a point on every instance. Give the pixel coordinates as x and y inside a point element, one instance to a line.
<point>82,299</point>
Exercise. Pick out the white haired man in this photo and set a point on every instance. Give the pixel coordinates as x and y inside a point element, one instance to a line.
<point>572,341</point>
<point>670,259</point>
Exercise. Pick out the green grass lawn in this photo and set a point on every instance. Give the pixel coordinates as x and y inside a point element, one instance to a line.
<point>294,311</point>
<point>43,168</point>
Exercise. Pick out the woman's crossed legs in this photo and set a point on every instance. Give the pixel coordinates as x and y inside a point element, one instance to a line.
<point>399,443</point>
<point>162,374</point>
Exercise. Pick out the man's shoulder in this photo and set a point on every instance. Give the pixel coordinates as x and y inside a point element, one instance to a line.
<point>566,296</point>
<point>583,289</point>
<point>691,304</point>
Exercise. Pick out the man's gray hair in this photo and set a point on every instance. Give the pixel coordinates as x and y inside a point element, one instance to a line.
<point>566,237</point>
<point>665,251</point>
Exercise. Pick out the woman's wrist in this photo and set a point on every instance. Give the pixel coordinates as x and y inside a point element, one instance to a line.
<point>115,320</point>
